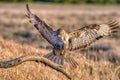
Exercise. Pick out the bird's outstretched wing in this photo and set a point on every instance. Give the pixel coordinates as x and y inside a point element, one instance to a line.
<point>40,25</point>
<point>85,36</point>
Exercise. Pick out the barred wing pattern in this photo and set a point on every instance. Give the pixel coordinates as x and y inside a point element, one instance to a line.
<point>45,30</point>
<point>85,36</point>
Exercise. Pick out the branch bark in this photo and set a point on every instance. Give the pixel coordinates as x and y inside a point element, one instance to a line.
<point>33,57</point>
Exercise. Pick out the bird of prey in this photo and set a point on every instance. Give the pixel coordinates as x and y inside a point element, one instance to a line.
<point>64,42</point>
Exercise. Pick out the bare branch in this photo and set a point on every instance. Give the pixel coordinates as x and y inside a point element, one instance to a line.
<point>33,57</point>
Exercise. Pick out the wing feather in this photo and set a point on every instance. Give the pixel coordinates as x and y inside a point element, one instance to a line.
<point>45,30</point>
<point>85,36</point>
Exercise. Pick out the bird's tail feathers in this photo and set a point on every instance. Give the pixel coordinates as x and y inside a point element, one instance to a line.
<point>55,58</point>
<point>72,63</point>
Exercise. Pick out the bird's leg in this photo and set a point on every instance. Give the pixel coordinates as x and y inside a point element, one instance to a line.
<point>65,50</point>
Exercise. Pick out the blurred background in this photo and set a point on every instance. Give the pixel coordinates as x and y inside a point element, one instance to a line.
<point>69,1</point>
<point>67,14</point>
<point>102,58</point>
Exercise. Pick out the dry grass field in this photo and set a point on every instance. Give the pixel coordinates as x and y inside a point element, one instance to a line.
<point>100,61</point>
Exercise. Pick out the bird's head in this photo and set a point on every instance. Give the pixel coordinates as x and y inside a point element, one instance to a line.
<point>61,38</point>
<point>63,35</point>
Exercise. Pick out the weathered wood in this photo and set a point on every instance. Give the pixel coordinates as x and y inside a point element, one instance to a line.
<point>33,57</point>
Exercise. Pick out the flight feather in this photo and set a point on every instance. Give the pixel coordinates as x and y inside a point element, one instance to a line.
<point>85,36</point>
<point>45,30</point>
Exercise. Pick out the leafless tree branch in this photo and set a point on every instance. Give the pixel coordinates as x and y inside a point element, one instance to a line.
<point>33,57</point>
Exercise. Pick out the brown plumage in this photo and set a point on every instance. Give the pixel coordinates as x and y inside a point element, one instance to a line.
<point>64,42</point>
<point>85,36</point>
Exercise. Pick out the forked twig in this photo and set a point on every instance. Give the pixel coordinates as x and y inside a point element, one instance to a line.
<point>33,57</point>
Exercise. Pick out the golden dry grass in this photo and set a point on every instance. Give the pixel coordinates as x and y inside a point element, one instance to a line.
<point>87,69</point>
<point>99,62</point>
